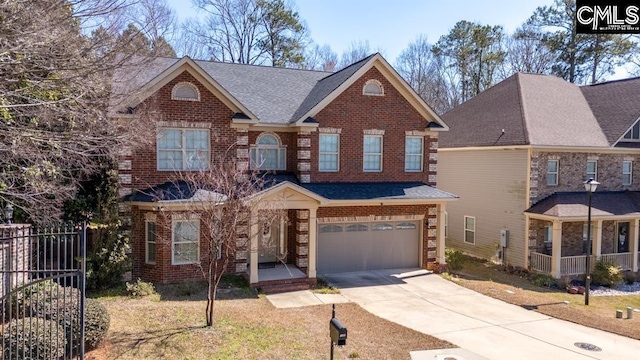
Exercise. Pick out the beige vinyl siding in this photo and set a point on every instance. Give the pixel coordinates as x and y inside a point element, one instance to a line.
<point>492,188</point>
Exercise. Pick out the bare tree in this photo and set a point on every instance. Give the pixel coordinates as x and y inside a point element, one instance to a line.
<point>357,50</point>
<point>320,58</point>
<point>225,201</point>
<point>54,96</point>
<point>527,52</point>
<point>249,31</point>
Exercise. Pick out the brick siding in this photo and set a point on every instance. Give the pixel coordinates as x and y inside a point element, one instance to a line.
<point>572,172</point>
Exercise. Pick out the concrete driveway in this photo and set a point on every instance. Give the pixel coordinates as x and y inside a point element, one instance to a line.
<point>485,326</point>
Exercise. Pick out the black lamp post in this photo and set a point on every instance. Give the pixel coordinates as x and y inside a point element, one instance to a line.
<point>589,185</point>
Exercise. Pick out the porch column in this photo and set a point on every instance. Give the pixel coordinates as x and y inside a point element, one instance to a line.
<point>313,236</point>
<point>440,237</point>
<point>633,245</point>
<point>556,249</point>
<point>596,245</point>
<point>253,249</point>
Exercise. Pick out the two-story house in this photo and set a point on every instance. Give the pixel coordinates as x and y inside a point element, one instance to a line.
<point>518,155</point>
<point>355,154</point>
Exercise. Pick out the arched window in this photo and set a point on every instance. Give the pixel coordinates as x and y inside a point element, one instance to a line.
<point>268,153</point>
<point>373,87</point>
<point>185,91</point>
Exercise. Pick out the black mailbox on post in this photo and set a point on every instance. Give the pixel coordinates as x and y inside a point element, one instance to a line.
<point>338,332</point>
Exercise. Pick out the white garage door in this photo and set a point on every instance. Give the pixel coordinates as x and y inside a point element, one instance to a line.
<point>368,246</point>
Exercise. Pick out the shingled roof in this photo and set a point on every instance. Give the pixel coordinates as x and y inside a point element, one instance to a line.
<point>574,204</point>
<point>543,110</point>
<point>265,94</point>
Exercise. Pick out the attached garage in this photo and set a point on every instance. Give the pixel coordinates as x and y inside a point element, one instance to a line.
<point>357,246</point>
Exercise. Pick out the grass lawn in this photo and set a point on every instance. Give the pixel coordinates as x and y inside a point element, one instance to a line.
<point>490,280</point>
<point>170,325</point>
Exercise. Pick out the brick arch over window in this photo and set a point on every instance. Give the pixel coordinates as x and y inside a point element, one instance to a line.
<point>268,153</point>
<point>185,91</point>
<point>373,87</point>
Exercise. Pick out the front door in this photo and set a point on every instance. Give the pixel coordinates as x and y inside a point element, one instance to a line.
<point>271,242</point>
<point>622,243</point>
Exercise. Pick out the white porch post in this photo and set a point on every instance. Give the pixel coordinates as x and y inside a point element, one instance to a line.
<point>633,245</point>
<point>440,237</point>
<point>556,249</point>
<point>313,237</point>
<point>253,249</point>
<point>596,246</point>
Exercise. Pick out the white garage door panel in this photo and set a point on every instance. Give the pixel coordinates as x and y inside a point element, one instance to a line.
<point>368,246</point>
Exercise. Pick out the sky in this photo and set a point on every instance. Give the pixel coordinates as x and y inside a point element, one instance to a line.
<point>391,25</point>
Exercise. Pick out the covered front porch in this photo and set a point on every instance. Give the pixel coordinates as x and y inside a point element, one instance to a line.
<point>557,229</point>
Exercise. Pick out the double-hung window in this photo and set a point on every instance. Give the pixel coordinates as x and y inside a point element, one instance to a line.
<point>150,242</point>
<point>372,161</point>
<point>183,149</point>
<point>592,169</point>
<point>329,152</point>
<point>627,168</point>
<point>413,153</point>
<point>268,153</point>
<point>470,229</point>
<point>185,241</point>
<point>552,172</point>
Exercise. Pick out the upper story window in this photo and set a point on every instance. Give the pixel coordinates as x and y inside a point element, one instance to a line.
<point>413,153</point>
<point>552,172</point>
<point>633,134</point>
<point>372,161</point>
<point>592,169</point>
<point>329,152</point>
<point>373,87</point>
<point>185,91</point>
<point>183,149</point>
<point>627,172</point>
<point>268,153</point>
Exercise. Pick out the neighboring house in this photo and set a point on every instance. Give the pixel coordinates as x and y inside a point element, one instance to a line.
<point>354,154</point>
<point>518,155</point>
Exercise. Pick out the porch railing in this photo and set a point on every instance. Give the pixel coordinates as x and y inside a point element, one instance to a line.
<point>624,260</point>
<point>576,265</point>
<point>540,262</point>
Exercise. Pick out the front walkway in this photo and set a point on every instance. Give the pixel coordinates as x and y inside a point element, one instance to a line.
<point>485,326</point>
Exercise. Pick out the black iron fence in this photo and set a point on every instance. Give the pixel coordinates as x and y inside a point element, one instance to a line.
<point>42,280</point>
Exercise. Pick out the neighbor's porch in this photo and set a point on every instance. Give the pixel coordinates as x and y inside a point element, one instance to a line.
<point>558,247</point>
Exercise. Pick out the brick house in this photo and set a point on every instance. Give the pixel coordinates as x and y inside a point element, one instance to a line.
<point>518,155</point>
<point>354,155</point>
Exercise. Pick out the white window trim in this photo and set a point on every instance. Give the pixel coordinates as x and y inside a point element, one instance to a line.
<point>381,153</point>
<point>473,231</point>
<point>337,154</point>
<point>279,147</point>
<point>147,242</point>
<point>173,243</point>
<point>377,83</point>
<point>556,173</point>
<point>421,155</point>
<point>634,128</point>
<point>184,149</point>
<point>630,173</point>
<point>182,84</point>
<point>548,234</point>
<point>593,175</point>
<point>446,224</point>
